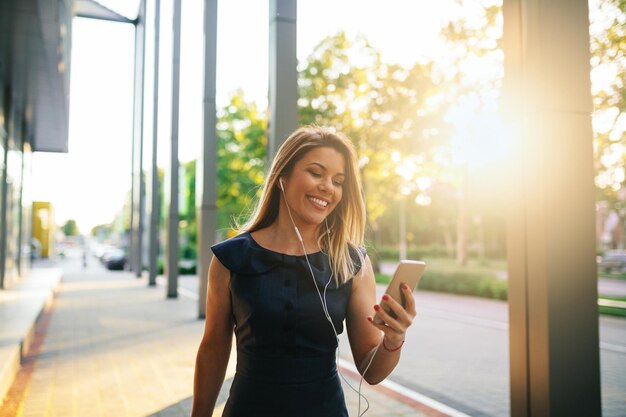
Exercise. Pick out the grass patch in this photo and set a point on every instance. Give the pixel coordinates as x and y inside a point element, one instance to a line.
<point>608,297</point>
<point>476,278</point>
<point>480,278</point>
<point>612,311</point>
<point>382,278</point>
<point>488,267</point>
<point>612,275</point>
<point>465,283</point>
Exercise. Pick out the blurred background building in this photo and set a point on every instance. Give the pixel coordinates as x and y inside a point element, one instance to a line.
<point>35,44</point>
<point>35,52</point>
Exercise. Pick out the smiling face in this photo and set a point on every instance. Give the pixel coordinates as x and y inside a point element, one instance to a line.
<point>315,185</point>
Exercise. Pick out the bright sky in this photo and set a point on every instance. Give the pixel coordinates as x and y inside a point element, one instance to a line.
<point>90,183</point>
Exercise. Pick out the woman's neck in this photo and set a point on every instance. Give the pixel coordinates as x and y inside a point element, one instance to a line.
<point>282,237</point>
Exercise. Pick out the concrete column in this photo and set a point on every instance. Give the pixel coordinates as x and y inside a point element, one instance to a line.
<point>283,73</point>
<point>554,344</point>
<point>4,138</point>
<point>26,213</point>
<point>206,167</point>
<point>131,233</point>
<point>153,243</point>
<point>171,180</point>
<point>21,237</point>
<point>138,188</point>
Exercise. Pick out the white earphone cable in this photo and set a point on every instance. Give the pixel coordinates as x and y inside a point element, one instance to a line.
<point>326,312</point>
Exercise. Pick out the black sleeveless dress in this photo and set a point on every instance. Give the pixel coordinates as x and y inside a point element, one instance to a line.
<point>285,345</point>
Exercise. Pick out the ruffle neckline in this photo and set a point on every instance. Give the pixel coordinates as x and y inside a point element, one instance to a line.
<point>243,255</point>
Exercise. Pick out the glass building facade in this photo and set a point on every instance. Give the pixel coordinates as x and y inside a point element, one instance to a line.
<point>35,43</point>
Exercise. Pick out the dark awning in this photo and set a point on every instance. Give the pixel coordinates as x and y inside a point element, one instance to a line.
<point>98,10</point>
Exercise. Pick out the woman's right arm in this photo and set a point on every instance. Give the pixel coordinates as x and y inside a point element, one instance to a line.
<point>214,350</point>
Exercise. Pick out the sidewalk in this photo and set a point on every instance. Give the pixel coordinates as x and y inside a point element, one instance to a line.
<point>116,347</point>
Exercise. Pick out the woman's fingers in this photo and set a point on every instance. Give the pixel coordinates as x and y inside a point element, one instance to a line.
<point>404,316</point>
<point>410,300</point>
<point>395,318</point>
<point>400,318</point>
<point>389,325</point>
<point>383,312</point>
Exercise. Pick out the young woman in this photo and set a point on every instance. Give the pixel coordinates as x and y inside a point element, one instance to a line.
<point>287,283</point>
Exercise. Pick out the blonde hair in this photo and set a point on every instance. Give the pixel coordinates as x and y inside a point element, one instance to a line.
<point>346,223</point>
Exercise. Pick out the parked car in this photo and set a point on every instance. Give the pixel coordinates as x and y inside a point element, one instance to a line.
<point>114,259</point>
<point>613,261</point>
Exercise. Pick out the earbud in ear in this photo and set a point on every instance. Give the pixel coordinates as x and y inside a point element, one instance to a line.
<point>282,187</point>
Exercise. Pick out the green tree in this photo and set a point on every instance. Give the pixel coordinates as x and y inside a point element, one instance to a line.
<point>384,108</point>
<point>241,151</point>
<point>476,40</point>
<point>188,229</point>
<point>608,77</point>
<point>472,75</point>
<point>102,231</point>
<point>70,228</point>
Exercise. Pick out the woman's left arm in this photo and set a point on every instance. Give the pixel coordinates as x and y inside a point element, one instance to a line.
<point>365,335</point>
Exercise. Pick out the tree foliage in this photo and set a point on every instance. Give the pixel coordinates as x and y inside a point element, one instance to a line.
<point>472,72</point>
<point>70,228</point>
<point>102,231</point>
<point>390,113</point>
<point>241,150</point>
<point>478,39</point>
<point>608,76</point>
<point>188,226</point>
<point>399,119</point>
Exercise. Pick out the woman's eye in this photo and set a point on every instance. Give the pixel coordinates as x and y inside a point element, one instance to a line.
<point>315,174</point>
<point>338,183</point>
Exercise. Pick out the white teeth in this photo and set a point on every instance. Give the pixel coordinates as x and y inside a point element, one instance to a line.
<point>318,201</point>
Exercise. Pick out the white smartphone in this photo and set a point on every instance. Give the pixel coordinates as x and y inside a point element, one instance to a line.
<point>408,272</point>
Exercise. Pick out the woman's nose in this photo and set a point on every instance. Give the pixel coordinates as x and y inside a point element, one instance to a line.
<point>326,184</point>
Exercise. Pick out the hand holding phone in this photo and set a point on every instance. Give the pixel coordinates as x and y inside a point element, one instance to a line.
<point>408,272</point>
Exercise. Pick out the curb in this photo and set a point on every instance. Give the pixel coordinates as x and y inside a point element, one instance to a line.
<point>14,351</point>
<point>415,400</point>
